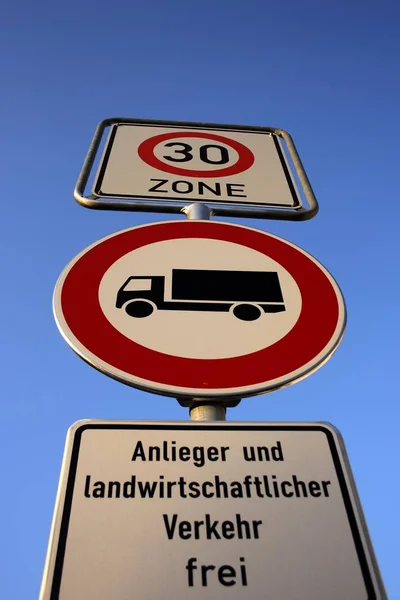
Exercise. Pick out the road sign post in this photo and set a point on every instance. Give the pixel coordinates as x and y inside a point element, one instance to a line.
<point>227,510</point>
<point>205,410</point>
<point>209,313</point>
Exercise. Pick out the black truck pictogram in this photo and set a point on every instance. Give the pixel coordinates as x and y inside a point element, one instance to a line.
<point>247,293</point>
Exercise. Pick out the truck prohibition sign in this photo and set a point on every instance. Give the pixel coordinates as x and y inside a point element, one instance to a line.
<point>199,308</point>
<point>246,293</point>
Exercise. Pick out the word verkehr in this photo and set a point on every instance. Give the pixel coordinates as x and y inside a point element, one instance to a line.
<point>263,486</point>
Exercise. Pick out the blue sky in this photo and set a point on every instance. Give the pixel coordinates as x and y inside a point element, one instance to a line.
<point>326,72</point>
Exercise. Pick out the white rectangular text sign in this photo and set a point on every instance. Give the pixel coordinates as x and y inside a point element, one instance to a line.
<point>208,510</point>
<point>177,163</point>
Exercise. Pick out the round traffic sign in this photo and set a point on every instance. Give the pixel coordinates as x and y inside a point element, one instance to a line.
<point>180,153</point>
<point>199,308</point>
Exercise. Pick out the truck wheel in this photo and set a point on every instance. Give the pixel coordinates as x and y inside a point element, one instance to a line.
<point>247,312</point>
<point>139,309</point>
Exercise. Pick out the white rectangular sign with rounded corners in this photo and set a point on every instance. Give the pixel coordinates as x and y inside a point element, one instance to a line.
<point>167,511</point>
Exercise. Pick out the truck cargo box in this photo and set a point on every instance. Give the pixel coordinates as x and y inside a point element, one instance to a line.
<point>226,286</point>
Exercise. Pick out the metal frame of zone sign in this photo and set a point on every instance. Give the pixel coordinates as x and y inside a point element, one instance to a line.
<point>163,166</point>
<point>205,510</point>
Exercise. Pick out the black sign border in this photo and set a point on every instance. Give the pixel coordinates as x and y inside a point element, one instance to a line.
<point>66,512</point>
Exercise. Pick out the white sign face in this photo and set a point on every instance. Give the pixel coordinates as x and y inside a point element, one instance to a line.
<point>186,164</point>
<point>199,308</point>
<point>177,332</point>
<point>208,510</point>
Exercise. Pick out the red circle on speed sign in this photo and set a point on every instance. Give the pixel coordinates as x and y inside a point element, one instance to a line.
<point>178,349</point>
<point>244,162</point>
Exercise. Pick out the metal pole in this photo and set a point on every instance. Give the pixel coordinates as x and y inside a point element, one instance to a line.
<point>206,410</point>
<point>197,212</point>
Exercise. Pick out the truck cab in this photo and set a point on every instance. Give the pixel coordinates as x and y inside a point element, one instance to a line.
<point>140,295</point>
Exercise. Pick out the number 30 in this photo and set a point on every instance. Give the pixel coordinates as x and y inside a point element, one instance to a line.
<point>186,151</point>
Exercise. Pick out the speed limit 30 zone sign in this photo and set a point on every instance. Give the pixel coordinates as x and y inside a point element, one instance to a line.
<point>199,308</point>
<point>162,162</point>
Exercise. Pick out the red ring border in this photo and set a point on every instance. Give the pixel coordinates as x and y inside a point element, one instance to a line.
<point>311,334</point>
<point>146,153</point>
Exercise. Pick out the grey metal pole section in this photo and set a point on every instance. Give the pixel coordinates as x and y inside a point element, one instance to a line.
<point>208,412</point>
<point>204,410</point>
<point>197,212</point>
